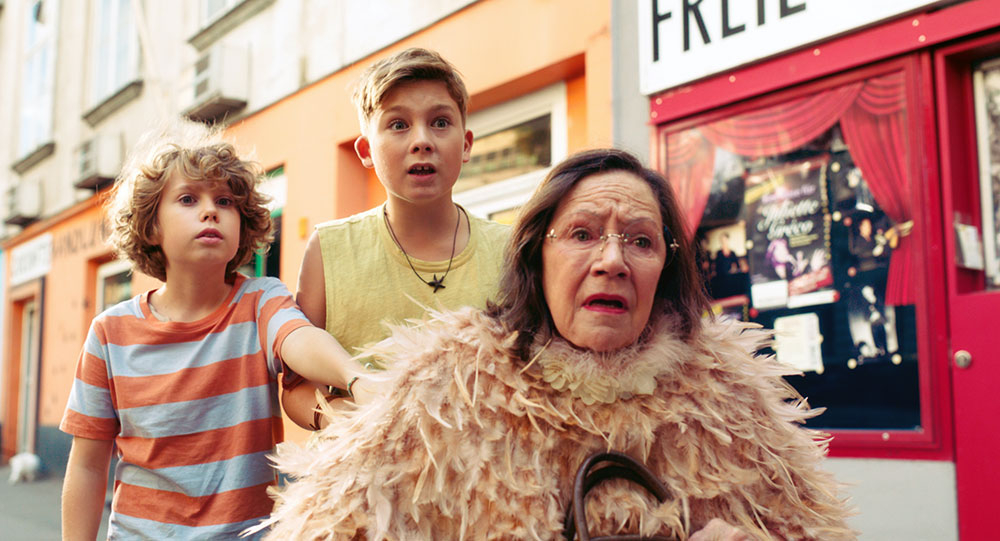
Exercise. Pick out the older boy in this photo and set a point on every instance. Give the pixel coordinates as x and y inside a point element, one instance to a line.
<point>419,248</point>
<point>182,380</point>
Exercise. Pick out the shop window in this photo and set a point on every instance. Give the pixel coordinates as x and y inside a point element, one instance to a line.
<point>114,284</point>
<point>986,83</point>
<point>803,213</point>
<point>116,49</point>
<point>516,143</point>
<point>517,150</point>
<point>38,69</point>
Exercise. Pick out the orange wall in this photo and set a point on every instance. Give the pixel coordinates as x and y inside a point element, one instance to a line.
<point>504,49</point>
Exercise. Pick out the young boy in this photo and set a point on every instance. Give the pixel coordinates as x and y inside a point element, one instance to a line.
<point>419,249</point>
<point>182,380</point>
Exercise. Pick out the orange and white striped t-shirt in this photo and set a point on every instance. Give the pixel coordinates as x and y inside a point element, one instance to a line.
<point>192,407</point>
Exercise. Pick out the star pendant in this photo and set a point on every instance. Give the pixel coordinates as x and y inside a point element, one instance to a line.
<point>436,283</point>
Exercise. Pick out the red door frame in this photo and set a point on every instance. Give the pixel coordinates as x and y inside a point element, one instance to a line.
<point>974,309</point>
<point>908,40</point>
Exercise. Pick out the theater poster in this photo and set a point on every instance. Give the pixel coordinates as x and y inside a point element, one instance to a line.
<point>788,229</point>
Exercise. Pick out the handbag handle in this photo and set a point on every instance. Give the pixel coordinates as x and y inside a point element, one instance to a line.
<point>621,466</point>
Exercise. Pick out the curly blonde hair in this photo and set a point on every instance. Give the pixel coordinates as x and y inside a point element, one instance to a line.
<point>414,64</point>
<point>197,154</point>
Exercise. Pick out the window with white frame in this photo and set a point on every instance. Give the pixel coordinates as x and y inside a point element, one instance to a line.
<point>516,144</point>
<point>115,58</point>
<point>114,284</point>
<point>213,9</point>
<point>35,128</point>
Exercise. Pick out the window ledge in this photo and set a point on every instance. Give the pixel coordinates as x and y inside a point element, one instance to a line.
<point>228,21</point>
<point>117,100</point>
<point>35,156</point>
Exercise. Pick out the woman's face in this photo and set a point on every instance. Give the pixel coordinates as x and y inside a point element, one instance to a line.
<point>600,292</point>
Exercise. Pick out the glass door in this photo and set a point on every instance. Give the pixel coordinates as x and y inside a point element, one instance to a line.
<point>27,419</point>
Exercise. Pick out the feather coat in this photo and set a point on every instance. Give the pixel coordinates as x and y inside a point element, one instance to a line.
<point>472,444</point>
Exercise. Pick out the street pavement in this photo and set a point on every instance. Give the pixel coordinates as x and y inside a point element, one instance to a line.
<point>31,512</point>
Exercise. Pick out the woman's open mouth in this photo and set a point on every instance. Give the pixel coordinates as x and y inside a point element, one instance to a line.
<point>613,304</point>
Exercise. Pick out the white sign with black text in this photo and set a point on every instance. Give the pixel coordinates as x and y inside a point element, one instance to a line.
<point>31,260</point>
<point>684,40</point>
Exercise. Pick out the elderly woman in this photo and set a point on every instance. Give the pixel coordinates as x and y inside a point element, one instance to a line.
<point>597,343</point>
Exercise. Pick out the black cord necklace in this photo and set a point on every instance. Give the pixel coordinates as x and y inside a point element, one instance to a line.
<point>436,283</point>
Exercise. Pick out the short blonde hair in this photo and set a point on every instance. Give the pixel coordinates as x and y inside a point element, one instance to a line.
<point>414,64</point>
<point>199,154</point>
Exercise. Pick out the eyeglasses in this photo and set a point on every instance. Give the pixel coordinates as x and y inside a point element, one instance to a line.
<point>636,246</point>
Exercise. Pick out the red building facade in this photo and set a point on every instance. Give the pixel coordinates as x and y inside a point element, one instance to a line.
<point>845,192</point>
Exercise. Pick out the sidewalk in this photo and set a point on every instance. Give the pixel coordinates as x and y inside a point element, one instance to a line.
<point>30,511</point>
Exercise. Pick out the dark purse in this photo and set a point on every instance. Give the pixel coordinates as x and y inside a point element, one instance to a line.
<point>589,475</point>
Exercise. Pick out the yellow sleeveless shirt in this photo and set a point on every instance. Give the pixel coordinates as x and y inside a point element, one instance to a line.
<point>369,283</point>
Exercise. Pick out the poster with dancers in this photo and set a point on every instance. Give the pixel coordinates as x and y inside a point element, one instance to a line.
<point>788,229</point>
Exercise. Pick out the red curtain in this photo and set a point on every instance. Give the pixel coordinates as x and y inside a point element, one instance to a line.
<point>690,164</point>
<point>875,132</point>
<point>783,127</point>
<point>872,115</point>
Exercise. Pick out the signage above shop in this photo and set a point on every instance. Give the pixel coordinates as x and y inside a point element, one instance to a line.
<point>684,40</point>
<point>31,260</point>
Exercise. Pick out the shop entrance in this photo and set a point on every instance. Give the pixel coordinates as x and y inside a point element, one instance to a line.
<point>968,86</point>
<point>21,379</point>
<point>27,412</point>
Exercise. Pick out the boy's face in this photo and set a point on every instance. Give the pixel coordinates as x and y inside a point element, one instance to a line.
<point>198,223</point>
<point>417,142</point>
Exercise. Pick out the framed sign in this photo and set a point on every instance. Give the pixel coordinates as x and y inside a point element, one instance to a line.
<point>682,40</point>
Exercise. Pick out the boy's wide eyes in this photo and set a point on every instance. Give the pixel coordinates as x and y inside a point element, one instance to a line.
<point>223,201</point>
<point>440,123</point>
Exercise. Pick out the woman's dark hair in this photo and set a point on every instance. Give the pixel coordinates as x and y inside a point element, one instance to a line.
<point>521,305</point>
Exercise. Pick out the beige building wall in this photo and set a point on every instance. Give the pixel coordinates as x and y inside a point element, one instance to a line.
<point>273,53</point>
